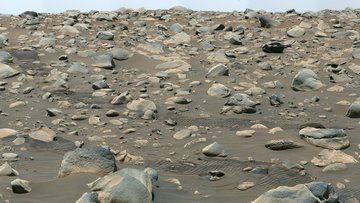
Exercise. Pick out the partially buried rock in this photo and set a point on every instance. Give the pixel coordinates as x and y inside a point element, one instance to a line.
<point>141,105</point>
<point>245,104</point>
<point>334,167</point>
<point>20,186</point>
<point>98,161</point>
<point>267,22</point>
<point>296,31</point>
<point>306,80</point>
<point>325,138</point>
<point>7,132</point>
<point>218,70</point>
<point>213,150</point>
<point>7,72</point>
<point>313,192</point>
<point>5,57</point>
<point>78,67</point>
<point>182,134</point>
<point>175,66</point>
<point>354,109</point>
<point>126,185</point>
<point>105,35</point>
<point>282,144</point>
<point>218,90</point>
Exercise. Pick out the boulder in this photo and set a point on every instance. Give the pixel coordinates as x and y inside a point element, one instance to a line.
<point>306,80</point>
<point>127,185</point>
<point>98,161</point>
<point>314,192</point>
<point>267,22</point>
<point>273,47</point>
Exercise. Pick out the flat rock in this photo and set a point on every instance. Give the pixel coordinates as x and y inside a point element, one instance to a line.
<point>296,31</point>
<point>334,167</point>
<point>141,105</point>
<point>120,54</point>
<point>78,67</point>
<point>43,134</point>
<point>182,134</point>
<point>103,61</point>
<point>218,70</point>
<point>98,161</point>
<point>7,132</point>
<point>105,35</point>
<point>325,138</point>
<point>327,157</point>
<point>175,66</point>
<point>282,144</point>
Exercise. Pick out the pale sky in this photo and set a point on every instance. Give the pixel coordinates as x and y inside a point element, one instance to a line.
<point>18,6</point>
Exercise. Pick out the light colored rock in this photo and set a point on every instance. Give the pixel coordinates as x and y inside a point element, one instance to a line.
<point>7,132</point>
<point>334,167</point>
<point>69,30</point>
<point>306,80</point>
<point>325,138</point>
<point>44,134</point>
<point>141,105</point>
<point>7,170</point>
<point>212,150</point>
<point>7,72</point>
<point>245,185</point>
<point>182,134</point>
<point>245,133</point>
<point>179,38</point>
<point>218,90</point>
<point>326,157</point>
<point>354,109</point>
<point>98,161</point>
<point>296,31</point>
<point>218,70</point>
<point>175,66</point>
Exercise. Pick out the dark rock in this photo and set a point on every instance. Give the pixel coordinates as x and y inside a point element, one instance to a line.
<point>276,99</point>
<point>273,47</point>
<point>101,84</point>
<point>282,144</point>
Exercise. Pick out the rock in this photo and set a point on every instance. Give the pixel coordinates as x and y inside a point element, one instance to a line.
<point>101,84</point>
<point>120,54</point>
<point>334,167</point>
<point>245,185</point>
<point>120,99</point>
<point>104,61</point>
<point>88,197</point>
<point>355,68</point>
<point>245,133</point>
<point>182,134</point>
<point>354,109</point>
<point>176,28</point>
<point>78,67</point>
<point>276,99</point>
<point>218,70</point>
<point>4,41</point>
<point>7,132</point>
<point>282,144</point>
<point>69,30</point>
<point>179,38</point>
<point>356,53</point>
<point>128,158</point>
<point>112,113</point>
<point>177,100</point>
<point>28,14</point>
<point>141,105</point>
<point>306,80</point>
<point>105,35</point>
<point>43,134</point>
<point>218,56</point>
<point>235,40</point>
<point>5,57</point>
<point>7,170</point>
<point>216,175</point>
<point>313,192</point>
<point>243,101</point>
<point>7,72</point>
<point>296,31</point>
<point>327,157</point>
<point>20,186</point>
<point>273,47</point>
<point>10,156</point>
<point>175,66</point>
<point>213,150</point>
<point>267,22</point>
<point>254,91</point>
<point>98,161</point>
<point>325,138</point>
<point>152,47</point>
<point>218,90</point>
<point>126,185</point>
<point>291,165</point>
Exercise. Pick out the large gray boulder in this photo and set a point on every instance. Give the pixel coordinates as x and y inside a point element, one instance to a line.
<point>354,109</point>
<point>314,192</point>
<point>306,80</point>
<point>325,138</point>
<point>127,185</point>
<point>98,161</point>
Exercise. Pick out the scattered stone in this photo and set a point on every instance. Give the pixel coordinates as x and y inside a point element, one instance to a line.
<point>182,134</point>
<point>218,90</point>
<point>218,70</point>
<point>325,138</point>
<point>327,157</point>
<point>306,80</point>
<point>296,31</point>
<point>105,35</point>
<point>213,150</point>
<point>245,185</point>
<point>7,72</point>
<point>334,167</point>
<point>7,170</point>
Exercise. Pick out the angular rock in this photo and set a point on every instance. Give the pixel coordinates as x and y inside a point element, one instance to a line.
<point>7,170</point>
<point>7,132</point>
<point>296,31</point>
<point>20,186</point>
<point>243,101</point>
<point>5,57</point>
<point>267,22</point>
<point>105,35</point>
<point>314,192</point>
<point>306,80</point>
<point>218,90</point>
<point>354,109</point>
<point>120,54</point>
<point>98,161</point>
<point>327,157</point>
<point>78,67</point>
<point>7,72</point>
<point>104,61</point>
<point>175,66</point>
<point>273,47</point>
<point>43,134</point>
<point>213,150</point>
<point>218,70</point>
<point>182,134</point>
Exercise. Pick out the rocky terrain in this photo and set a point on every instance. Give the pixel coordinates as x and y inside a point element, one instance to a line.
<point>180,106</point>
